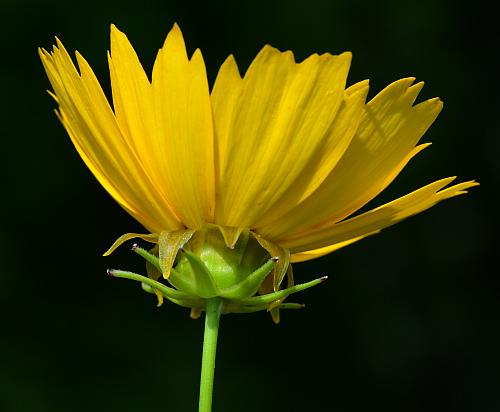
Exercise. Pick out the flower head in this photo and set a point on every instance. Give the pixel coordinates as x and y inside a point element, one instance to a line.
<point>285,153</point>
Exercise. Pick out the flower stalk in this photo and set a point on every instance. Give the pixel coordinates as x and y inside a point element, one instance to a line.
<point>212,319</point>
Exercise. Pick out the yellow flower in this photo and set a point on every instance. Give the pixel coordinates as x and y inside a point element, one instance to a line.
<point>287,151</point>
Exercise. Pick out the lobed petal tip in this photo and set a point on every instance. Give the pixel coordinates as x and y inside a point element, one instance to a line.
<point>434,100</point>
<point>267,48</point>
<point>175,40</point>
<point>116,35</point>
<point>79,57</point>
<point>231,65</point>
<point>347,55</point>
<point>404,83</point>
<point>197,55</point>
<point>442,183</point>
<point>175,31</point>
<point>472,183</point>
<point>417,87</point>
<point>58,44</point>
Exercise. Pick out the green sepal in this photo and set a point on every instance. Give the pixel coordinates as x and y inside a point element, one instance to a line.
<point>170,293</point>
<point>152,269</point>
<point>247,287</point>
<point>250,285</point>
<point>148,257</point>
<point>148,289</point>
<point>197,304</point>
<point>201,282</point>
<point>230,308</point>
<point>229,263</point>
<point>281,294</point>
<point>180,282</point>
<point>268,287</point>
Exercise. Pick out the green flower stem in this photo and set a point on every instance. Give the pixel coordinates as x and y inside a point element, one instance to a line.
<point>212,318</point>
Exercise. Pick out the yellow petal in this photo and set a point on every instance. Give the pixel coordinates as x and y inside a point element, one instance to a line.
<point>133,105</point>
<point>224,99</point>
<point>384,143</point>
<point>185,130</point>
<point>331,233</point>
<point>132,95</point>
<point>85,113</point>
<point>271,126</point>
<point>325,157</point>
<point>313,254</point>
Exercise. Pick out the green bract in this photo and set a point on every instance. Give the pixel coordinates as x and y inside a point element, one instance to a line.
<point>238,266</point>
<point>206,267</point>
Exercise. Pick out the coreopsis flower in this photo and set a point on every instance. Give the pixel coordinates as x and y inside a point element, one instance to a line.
<point>235,183</point>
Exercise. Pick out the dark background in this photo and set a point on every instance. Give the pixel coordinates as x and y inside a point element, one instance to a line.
<point>409,319</point>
